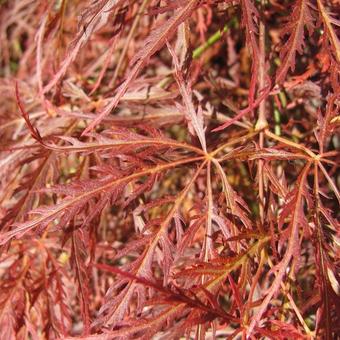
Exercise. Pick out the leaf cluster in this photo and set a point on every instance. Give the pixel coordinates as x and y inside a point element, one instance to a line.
<point>169,169</point>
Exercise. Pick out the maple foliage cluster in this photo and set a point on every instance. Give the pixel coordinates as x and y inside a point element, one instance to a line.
<point>168,169</point>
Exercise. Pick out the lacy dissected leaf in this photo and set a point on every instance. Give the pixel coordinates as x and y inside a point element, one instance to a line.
<point>219,268</point>
<point>35,181</point>
<point>326,128</point>
<point>78,258</point>
<point>292,247</point>
<point>12,298</point>
<point>175,298</point>
<point>329,21</point>
<point>300,18</point>
<point>116,305</point>
<point>156,40</point>
<point>92,19</point>
<point>44,172</point>
<point>155,221</point>
<point>234,202</point>
<point>194,118</point>
<point>60,309</point>
<point>120,141</point>
<point>250,17</point>
<point>281,330</point>
<point>78,196</point>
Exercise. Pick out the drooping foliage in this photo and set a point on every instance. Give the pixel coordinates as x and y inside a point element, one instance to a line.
<point>169,169</point>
